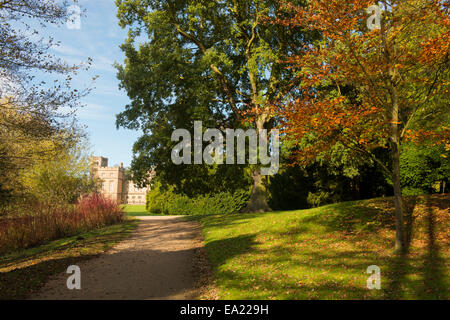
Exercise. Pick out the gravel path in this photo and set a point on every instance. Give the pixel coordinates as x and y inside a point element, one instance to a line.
<point>156,262</point>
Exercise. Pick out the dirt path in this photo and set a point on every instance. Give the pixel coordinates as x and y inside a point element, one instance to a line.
<point>154,263</point>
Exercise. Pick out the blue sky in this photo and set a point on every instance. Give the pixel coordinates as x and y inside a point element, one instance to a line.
<point>98,38</point>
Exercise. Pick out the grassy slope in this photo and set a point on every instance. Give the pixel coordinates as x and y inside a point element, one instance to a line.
<point>323,253</point>
<point>26,271</point>
<point>135,210</point>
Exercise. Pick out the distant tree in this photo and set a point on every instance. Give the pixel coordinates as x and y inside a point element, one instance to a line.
<point>63,178</point>
<point>201,60</point>
<point>399,73</point>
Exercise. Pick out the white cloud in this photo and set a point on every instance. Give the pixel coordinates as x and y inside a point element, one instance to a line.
<point>67,50</point>
<point>103,63</point>
<point>93,111</point>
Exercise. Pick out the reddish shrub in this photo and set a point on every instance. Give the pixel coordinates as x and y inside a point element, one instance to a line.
<point>52,222</point>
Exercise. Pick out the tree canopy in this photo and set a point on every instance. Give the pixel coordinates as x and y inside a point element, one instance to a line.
<point>36,116</point>
<point>215,61</point>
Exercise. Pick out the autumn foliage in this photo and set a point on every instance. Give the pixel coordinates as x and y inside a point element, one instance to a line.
<point>47,223</point>
<point>368,85</point>
<point>351,78</point>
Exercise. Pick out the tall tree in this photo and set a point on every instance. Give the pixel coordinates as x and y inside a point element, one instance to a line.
<point>398,70</point>
<point>37,101</point>
<point>25,54</point>
<point>62,178</point>
<point>214,60</point>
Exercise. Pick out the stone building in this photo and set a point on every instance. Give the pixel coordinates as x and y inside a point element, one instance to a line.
<point>115,183</point>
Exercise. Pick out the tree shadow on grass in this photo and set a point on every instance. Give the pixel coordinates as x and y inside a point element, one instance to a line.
<point>220,251</point>
<point>399,265</point>
<point>261,287</point>
<point>351,217</point>
<point>408,207</point>
<point>433,270</point>
<point>430,267</point>
<point>230,220</point>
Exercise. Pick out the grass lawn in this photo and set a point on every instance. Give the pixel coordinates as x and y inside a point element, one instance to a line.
<point>133,210</point>
<point>26,271</point>
<point>323,253</point>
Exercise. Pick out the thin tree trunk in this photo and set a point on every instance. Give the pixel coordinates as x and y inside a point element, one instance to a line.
<point>395,143</point>
<point>399,233</point>
<point>395,149</point>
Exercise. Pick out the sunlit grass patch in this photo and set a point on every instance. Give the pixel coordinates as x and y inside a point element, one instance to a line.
<point>323,253</point>
<point>134,210</point>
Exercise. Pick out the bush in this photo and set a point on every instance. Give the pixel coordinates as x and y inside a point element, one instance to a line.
<point>52,222</point>
<point>423,168</point>
<point>156,201</point>
<point>321,198</point>
<point>168,202</point>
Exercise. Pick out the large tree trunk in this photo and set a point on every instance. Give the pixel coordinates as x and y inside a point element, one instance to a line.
<point>258,195</point>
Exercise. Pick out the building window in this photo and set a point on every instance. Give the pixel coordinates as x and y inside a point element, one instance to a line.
<point>103,186</point>
<point>103,174</point>
<point>111,186</point>
<point>111,174</point>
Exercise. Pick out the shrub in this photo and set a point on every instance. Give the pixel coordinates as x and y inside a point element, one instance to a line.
<point>52,222</point>
<point>423,168</point>
<point>156,201</point>
<point>168,202</point>
<point>319,198</point>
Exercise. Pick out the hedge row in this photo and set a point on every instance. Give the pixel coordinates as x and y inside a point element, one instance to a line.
<point>170,203</point>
